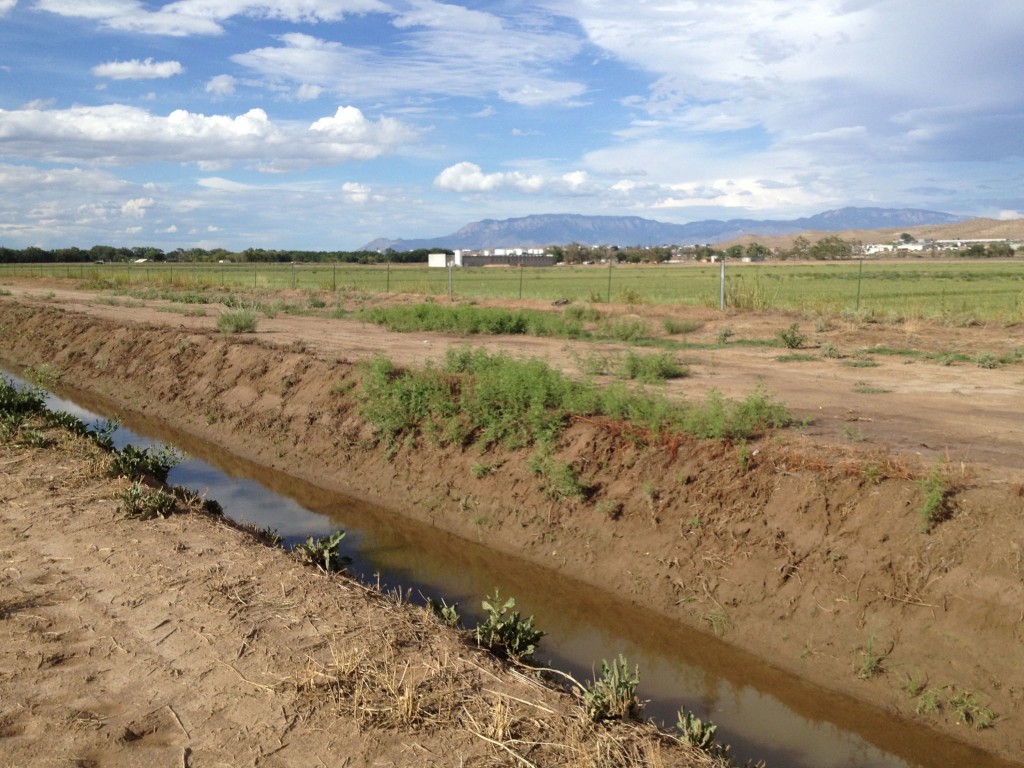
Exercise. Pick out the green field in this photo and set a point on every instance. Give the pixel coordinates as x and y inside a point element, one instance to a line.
<point>962,290</point>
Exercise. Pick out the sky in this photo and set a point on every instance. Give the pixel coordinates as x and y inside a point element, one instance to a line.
<point>323,124</point>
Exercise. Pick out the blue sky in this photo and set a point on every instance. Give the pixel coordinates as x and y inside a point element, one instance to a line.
<point>325,124</point>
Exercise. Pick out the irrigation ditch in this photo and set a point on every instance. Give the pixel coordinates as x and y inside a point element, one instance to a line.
<point>813,562</point>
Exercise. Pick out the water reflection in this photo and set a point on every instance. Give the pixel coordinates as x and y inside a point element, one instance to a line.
<point>760,710</point>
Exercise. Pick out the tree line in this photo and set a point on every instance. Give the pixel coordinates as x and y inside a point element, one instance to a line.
<point>109,253</point>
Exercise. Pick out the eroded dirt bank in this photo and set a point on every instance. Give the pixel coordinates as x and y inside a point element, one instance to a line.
<point>185,642</point>
<point>811,558</point>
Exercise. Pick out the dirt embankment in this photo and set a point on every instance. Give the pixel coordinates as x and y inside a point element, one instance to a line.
<point>802,552</point>
<point>185,642</point>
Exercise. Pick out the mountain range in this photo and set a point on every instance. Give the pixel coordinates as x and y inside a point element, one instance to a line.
<point>554,229</point>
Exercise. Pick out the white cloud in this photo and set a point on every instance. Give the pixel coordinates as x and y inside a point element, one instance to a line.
<point>123,135</point>
<point>137,207</point>
<point>7,5</point>
<point>221,85</point>
<point>444,49</point>
<point>203,17</point>
<point>470,177</point>
<point>307,92</point>
<point>355,193</point>
<point>138,70</point>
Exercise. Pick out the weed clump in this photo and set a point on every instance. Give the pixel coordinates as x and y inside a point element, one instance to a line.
<point>934,507</point>
<point>241,320</point>
<point>475,397</point>
<point>613,694</point>
<point>507,633</point>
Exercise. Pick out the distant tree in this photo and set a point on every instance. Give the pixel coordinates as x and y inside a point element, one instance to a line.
<point>734,251</point>
<point>831,248</point>
<point>906,237</point>
<point>801,248</point>
<point>757,251</point>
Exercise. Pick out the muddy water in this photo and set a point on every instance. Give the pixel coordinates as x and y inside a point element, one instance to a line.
<point>761,711</point>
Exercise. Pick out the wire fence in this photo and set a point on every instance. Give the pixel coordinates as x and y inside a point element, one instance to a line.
<point>922,288</point>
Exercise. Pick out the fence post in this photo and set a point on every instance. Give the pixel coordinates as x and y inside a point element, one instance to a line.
<point>860,275</point>
<point>387,284</point>
<point>609,281</point>
<point>721,288</point>
<point>520,281</point>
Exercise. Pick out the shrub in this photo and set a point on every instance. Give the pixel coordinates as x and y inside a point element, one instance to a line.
<point>237,321</point>
<point>697,733</point>
<point>324,552</point>
<point>934,506</point>
<point>146,504</point>
<point>791,337</point>
<point>652,368</point>
<point>557,479</point>
<point>136,463</point>
<point>507,633</point>
<point>613,694</point>
<point>448,614</point>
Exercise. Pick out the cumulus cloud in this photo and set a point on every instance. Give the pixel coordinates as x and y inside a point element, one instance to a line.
<point>202,17</point>
<point>137,207</point>
<point>220,85</point>
<point>124,135</point>
<point>470,177</point>
<point>138,70</point>
<point>7,5</point>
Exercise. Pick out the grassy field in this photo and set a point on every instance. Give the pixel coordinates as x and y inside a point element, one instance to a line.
<point>959,291</point>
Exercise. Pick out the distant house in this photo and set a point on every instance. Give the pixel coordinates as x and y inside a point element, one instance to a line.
<point>438,260</point>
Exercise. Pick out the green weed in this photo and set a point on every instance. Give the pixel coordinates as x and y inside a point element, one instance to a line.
<point>791,337</point>
<point>697,733</point>
<point>934,507</point>
<point>136,463</point>
<point>241,320</point>
<point>613,694</point>
<point>324,552</point>
<point>652,368</point>
<point>448,614</point>
<point>146,504</point>
<point>507,633</point>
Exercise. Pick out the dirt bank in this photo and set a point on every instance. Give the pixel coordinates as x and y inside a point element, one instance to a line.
<point>185,642</point>
<point>803,549</point>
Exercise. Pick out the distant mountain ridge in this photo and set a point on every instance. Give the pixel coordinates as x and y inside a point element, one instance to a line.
<point>554,229</point>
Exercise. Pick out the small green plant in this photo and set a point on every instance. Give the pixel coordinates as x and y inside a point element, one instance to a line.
<point>830,352</point>
<point>448,614</point>
<point>241,320</point>
<point>718,622</point>
<point>930,702</point>
<point>791,337</point>
<point>871,472</point>
<point>507,633</point>
<point>324,552</point>
<point>146,504</point>
<point>916,685</point>
<point>480,470</point>
<point>970,712</point>
<point>136,463</point>
<point>557,479</point>
<point>652,368</point>
<point>870,663</point>
<point>613,694</point>
<point>725,334</point>
<point>988,360</point>
<point>935,504</point>
<point>697,733</point>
